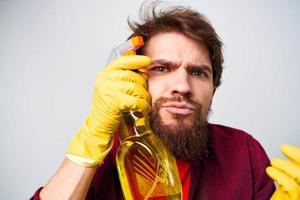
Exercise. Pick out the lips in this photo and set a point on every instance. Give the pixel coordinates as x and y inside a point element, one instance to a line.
<point>181,108</point>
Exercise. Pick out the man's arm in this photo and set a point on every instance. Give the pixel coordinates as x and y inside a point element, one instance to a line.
<point>118,89</point>
<point>71,181</point>
<point>263,185</point>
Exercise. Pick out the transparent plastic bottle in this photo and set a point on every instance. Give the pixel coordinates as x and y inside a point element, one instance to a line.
<point>147,170</point>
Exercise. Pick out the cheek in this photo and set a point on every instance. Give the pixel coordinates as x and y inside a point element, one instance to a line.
<point>158,86</point>
<point>203,94</point>
<point>153,89</point>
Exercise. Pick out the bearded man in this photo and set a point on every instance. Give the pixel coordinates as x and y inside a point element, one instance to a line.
<point>183,58</point>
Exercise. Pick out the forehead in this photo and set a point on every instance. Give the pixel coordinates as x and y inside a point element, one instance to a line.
<point>176,47</point>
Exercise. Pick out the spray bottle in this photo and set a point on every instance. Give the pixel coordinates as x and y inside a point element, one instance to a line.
<point>147,170</point>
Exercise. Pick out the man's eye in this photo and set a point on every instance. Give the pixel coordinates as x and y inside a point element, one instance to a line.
<point>198,72</point>
<point>159,69</point>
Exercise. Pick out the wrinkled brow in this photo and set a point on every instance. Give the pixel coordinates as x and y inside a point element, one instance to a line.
<point>190,66</point>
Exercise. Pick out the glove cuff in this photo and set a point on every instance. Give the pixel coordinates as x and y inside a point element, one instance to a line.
<point>85,162</point>
<point>89,150</point>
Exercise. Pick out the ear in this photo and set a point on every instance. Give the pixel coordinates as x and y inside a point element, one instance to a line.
<point>214,91</point>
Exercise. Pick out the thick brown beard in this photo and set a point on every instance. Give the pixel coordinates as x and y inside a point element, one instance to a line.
<point>186,142</point>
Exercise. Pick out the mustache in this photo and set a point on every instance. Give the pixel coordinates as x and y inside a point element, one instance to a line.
<point>163,100</point>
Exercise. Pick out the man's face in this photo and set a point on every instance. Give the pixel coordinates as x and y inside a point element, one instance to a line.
<point>180,83</point>
<point>181,68</point>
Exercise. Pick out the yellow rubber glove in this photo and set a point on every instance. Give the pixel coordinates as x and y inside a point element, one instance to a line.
<point>118,89</point>
<point>286,173</point>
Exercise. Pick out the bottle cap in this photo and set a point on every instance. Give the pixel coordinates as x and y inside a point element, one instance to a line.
<point>137,41</point>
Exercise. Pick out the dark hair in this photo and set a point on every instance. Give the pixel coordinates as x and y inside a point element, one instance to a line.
<point>154,20</point>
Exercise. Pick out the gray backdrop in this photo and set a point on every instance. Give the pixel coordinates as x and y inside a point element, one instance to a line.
<point>50,52</point>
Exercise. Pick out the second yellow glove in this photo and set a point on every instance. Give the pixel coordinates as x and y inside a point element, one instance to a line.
<point>287,174</point>
<point>118,89</point>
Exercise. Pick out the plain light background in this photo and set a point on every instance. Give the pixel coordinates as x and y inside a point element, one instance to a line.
<point>50,52</point>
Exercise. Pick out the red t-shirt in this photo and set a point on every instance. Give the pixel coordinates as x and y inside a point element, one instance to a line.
<point>184,169</point>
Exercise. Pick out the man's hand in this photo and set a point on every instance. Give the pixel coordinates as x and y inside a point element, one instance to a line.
<point>287,174</point>
<point>118,89</point>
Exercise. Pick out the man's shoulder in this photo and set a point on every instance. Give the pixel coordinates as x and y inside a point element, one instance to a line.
<point>233,139</point>
<point>242,157</point>
<point>226,132</point>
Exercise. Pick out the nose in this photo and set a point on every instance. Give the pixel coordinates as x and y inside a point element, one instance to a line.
<point>181,84</point>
